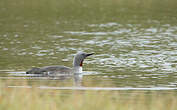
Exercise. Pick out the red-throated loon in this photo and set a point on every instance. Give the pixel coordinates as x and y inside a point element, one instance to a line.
<point>54,70</point>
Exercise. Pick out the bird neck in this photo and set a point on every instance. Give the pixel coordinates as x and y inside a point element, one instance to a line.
<point>77,61</point>
<point>77,69</point>
<point>77,64</point>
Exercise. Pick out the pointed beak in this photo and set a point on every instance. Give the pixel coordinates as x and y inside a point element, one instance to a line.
<point>89,54</point>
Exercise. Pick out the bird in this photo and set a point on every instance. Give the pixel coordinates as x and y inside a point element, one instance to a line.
<point>55,70</point>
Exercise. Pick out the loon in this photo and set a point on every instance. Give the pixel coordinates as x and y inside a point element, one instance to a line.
<point>55,70</point>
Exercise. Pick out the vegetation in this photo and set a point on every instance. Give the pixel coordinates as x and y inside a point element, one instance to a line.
<point>43,99</point>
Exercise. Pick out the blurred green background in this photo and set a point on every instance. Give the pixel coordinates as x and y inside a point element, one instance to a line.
<point>134,41</point>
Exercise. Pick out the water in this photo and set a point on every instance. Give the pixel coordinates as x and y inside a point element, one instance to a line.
<point>135,47</point>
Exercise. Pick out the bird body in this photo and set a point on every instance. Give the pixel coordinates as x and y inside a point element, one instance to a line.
<point>77,67</point>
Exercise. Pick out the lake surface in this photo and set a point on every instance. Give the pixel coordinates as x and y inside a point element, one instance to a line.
<point>135,43</point>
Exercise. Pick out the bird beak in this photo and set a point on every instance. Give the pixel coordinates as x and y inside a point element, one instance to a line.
<point>89,54</point>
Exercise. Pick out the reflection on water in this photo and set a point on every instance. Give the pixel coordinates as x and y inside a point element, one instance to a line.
<point>126,54</point>
<point>93,79</point>
<point>77,84</point>
<point>95,88</point>
<point>134,47</point>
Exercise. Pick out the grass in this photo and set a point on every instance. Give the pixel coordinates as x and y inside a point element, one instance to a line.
<point>40,99</point>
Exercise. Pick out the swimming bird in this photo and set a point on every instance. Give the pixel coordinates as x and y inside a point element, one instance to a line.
<point>54,70</point>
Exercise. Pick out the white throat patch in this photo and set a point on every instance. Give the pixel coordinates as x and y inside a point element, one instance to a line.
<point>78,69</point>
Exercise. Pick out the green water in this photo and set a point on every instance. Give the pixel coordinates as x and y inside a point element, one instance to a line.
<point>134,41</point>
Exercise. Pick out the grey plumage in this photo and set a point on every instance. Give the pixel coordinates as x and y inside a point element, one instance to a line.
<point>77,66</point>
